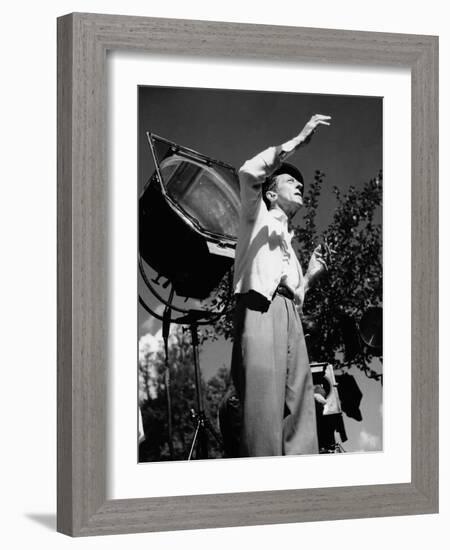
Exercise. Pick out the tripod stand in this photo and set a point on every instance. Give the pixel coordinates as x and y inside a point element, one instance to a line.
<point>192,318</point>
<point>203,427</point>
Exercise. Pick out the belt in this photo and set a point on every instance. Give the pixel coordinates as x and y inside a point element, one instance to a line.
<point>284,291</point>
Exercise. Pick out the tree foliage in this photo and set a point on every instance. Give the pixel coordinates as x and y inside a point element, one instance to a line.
<point>154,405</point>
<point>353,283</point>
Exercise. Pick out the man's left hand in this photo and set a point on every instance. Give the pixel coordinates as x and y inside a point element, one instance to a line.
<point>317,265</point>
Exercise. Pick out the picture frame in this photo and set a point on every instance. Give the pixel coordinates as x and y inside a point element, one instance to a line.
<point>83,40</point>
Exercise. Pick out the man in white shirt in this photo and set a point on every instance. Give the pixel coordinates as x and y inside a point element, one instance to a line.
<point>270,366</point>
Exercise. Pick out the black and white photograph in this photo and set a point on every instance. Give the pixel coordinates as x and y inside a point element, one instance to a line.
<point>260,274</point>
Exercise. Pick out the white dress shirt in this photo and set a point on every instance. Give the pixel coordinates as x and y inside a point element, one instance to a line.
<point>264,254</point>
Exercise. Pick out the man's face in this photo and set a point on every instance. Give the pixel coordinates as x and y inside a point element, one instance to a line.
<point>289,193</point>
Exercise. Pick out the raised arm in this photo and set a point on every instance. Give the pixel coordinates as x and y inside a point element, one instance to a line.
<point>254,171</point>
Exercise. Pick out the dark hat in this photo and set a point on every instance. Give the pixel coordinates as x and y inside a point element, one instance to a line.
<point>290,169</point>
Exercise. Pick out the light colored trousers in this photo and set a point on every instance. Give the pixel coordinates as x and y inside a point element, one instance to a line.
<point>272,378</point>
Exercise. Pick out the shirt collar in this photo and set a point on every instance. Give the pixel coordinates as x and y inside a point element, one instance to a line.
<point>283,219</point>
<point>279,215</point>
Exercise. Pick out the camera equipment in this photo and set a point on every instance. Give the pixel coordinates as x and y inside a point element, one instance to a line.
<point>328,409</point>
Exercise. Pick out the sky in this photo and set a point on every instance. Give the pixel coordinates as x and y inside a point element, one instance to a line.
<point>234,125</point>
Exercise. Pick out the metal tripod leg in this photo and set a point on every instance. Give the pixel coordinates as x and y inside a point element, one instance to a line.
<point>200,438</point>
<point>202,423</point>
<point>194,440</point>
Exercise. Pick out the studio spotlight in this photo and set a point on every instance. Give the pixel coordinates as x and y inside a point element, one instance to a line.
<point>188,218</point>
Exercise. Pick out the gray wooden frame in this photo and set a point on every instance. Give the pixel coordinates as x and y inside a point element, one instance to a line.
<point>83,40</point>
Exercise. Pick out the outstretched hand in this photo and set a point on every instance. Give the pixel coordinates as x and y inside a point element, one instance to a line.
<point>319,263</point>
<point>311,126</point>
